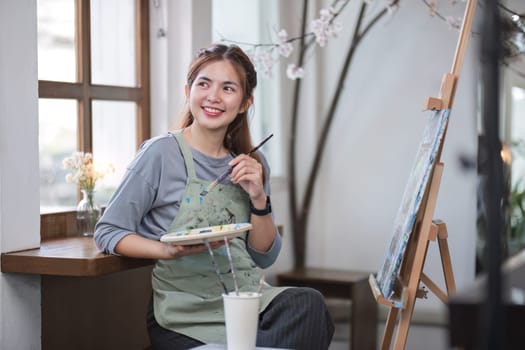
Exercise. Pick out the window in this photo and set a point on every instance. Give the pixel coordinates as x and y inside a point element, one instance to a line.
<point>93,71</point>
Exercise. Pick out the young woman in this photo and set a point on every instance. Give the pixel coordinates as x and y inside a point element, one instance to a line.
<point>161,192</point>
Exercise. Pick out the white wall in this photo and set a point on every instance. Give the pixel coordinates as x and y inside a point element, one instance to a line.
<point>19,179</point>
<point>188,28</point>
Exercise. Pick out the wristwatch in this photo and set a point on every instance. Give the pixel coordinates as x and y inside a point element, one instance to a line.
<point>262,212</point>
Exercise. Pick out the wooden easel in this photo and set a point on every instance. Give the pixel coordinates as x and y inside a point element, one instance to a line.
<point>425,228</point>
<point>412,274</point>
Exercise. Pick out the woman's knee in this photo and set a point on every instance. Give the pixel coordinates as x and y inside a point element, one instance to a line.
<point>309,297</point>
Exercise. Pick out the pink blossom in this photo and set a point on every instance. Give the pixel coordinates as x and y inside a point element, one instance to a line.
<point>391,8</point>
<point>285,47</point>
<point>264,59</point>
<point>293,72</point>
<point>326,26</point>
<point>454,22</point>
<point>432,6</point>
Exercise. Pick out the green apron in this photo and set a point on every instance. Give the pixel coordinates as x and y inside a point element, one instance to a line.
<point>186,290</point>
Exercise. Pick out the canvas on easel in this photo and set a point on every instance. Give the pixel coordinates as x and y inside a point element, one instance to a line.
<point>412,199</point>
<point>397,283</point>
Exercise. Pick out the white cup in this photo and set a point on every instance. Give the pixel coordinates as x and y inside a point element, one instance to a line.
<point>242,317</point>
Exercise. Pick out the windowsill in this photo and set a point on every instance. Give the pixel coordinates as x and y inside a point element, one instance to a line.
<point>69,256</point>
<point>55,210</point>
<point>63,253</point>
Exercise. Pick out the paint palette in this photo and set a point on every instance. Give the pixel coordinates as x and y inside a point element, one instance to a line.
<point>211,233</point>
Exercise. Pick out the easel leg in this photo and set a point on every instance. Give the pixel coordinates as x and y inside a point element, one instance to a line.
<point>445,259</point>
<point>390,324</point>
<point>404,324</point>
<point>412,287</point>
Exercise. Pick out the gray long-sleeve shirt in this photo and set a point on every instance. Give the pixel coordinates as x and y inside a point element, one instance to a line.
<point>148,198</point>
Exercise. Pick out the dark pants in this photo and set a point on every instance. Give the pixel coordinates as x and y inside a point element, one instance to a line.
<point>296,319</point>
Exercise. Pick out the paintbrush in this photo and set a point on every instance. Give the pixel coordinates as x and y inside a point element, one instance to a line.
<point>228,172</point>
<point>214,263</point>
<point>261,285</point>
<point>232,267</point>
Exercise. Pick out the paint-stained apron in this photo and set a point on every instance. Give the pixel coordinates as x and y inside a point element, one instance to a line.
<point>186,291</point>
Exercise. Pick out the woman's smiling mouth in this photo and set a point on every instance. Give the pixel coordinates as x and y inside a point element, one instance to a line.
<point>212,111</point>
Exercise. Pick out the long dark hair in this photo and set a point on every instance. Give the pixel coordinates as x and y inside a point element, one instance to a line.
<point>237,138</point>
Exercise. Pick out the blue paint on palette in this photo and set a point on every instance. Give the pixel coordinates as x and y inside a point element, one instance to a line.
<point>188,199</point>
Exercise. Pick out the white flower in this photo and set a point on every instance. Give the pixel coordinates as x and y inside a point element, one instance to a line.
<point>83,172</point>
<point>69,178</point>
<point>293,72</point>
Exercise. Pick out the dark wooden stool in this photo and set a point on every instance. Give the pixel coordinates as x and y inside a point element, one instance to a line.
<point>343,284</point>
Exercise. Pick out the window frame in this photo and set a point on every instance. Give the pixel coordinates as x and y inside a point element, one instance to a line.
<point>84,92</point>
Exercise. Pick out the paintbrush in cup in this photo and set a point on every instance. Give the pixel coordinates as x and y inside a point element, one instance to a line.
<point>261,285</point>
<point>216,267</point>
<point>228,172</point>
<point>232,266</point>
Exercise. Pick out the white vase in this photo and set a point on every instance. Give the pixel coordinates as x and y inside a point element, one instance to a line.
<point>88,213</point>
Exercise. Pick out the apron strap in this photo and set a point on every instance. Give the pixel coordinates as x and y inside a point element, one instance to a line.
<point>186,153</point>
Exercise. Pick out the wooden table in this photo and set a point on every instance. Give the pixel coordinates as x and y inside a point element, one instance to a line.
<point>343,284</point>
<point>90,300</point>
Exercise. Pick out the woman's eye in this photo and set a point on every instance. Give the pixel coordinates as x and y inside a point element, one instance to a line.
<point>229,89</point>
<point>202,84</point>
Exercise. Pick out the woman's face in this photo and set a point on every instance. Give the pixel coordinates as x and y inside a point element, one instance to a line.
<point>216,95</point>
